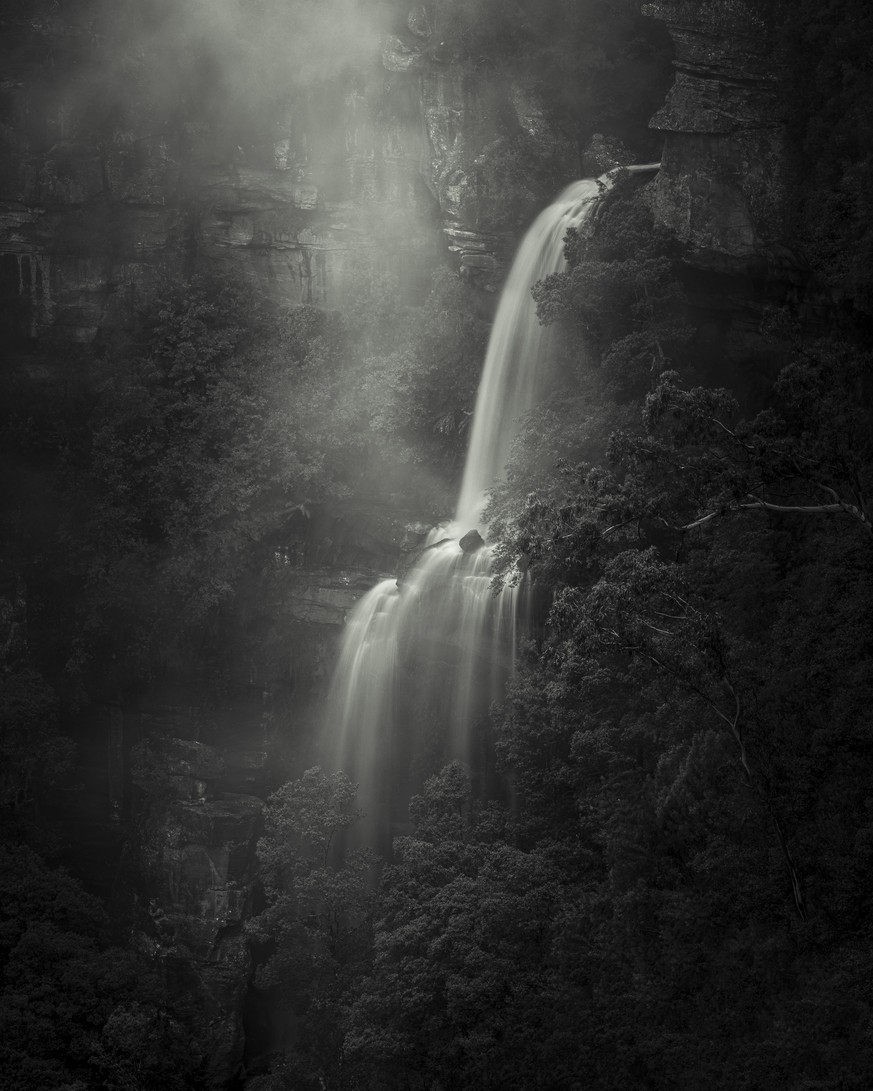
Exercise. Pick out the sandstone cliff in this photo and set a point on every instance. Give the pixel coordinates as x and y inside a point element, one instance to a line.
<point>722,185</point>
<point>105,192</point>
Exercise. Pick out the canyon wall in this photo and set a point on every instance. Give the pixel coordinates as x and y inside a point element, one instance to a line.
<point>105,194</point>
<point>99,209</point>
<point>726,187</point>
<point>723,180</point>
<point>99,206</point>
<point>96,211</point>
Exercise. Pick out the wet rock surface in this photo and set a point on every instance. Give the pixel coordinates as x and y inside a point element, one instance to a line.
<point>604,153</point>
<point>459,113</point>
<point>472,541</point>
<point>325,596</point>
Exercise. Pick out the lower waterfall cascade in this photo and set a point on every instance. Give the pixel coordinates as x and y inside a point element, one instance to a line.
<point>422,657</point>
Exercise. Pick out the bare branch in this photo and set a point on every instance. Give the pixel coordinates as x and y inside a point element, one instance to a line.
<point>618,526</point>
<point>757,504</point>
<point>731,433</point>
<point>699,522</point>
<point>655,629</point>
<point>812,509</point>
<point>826,488</point>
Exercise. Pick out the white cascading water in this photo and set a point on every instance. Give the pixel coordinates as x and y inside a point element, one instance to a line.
<point>510,376</point>
<point>422,658</point>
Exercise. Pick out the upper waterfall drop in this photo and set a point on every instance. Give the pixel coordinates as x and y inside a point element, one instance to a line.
<point>512,368</point>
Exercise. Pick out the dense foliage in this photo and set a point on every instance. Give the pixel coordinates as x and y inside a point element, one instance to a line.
<point>317,924</point>
<point>141,507</point>
<point>139,511</point>
<point>77,1010</point>
<point>680,888</point>
<point>679,894</point>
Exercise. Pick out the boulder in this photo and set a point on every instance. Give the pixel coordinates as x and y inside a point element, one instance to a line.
<point>472,541</point>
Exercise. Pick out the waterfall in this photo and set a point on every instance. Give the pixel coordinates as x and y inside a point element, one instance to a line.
<point>513,361</point>
<point>423,657</point>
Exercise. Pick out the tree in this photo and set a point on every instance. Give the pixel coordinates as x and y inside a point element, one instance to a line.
<point>419,391</point>
<point>684,736</point>
<point>619,295</point>
<point>811,454</point>
<point>74,1010</point>
<point>460,943</point>
<point>203,445</point>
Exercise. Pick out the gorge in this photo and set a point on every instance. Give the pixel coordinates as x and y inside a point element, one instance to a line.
<point>303,360</point>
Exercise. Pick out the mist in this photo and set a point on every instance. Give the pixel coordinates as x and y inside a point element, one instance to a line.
<point>243,52</point>
<point>288,284</point>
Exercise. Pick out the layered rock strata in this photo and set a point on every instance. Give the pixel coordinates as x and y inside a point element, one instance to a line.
<point>722,184</point>
<point>100,205</point>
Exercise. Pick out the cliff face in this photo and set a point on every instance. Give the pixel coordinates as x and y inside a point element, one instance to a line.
<point>99,204</point>
<point>722,185</point>
<point>105,192</point>
<point>98,207</point>
<point>724,188</point>
<point>89,219</point>
<point>460,113</point>
<point>190,765</point>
